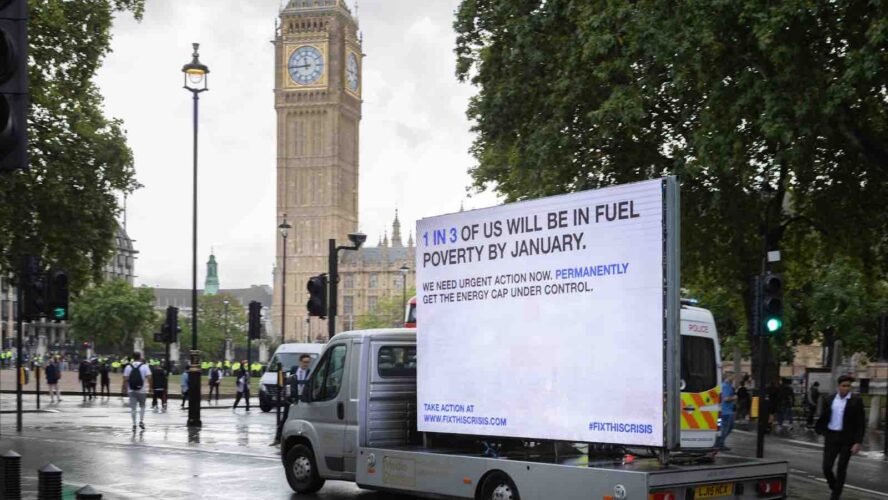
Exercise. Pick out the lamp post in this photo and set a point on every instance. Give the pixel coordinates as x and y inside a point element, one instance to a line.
<point>357,240</point>
<point>225,302</point>
<point>404,270</point>
<point>195,81</point>
<point>284,228</point>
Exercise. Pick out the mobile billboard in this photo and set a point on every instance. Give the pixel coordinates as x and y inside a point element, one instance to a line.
<point>554,318</point>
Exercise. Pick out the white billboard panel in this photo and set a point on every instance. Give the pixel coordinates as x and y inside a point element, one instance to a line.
<point>545,319</point>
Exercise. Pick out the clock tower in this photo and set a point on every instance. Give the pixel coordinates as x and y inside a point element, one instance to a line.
<point>317,97</point>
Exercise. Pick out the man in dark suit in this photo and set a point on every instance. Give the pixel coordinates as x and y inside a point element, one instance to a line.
<point>841,423</point>
<point>296,386</point>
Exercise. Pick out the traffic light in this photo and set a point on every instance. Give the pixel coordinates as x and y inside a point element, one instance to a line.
<point>13,85</point>
<point>317,296</point>
<point>34,289</point>
<point>171,326</point>
<point>772,304</point>
<point>255,320</point>
<point>57,303</point>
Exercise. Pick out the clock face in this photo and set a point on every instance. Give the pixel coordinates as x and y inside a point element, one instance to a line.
<point>351,72</point>
<point>306,65</point>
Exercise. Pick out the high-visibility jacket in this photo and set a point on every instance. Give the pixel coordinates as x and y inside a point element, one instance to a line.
<point>235,366</point>
<point>218,364</point>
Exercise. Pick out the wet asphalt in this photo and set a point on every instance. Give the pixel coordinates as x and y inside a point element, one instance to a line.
<point>229,457</point>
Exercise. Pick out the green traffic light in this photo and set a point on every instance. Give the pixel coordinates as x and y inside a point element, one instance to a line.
<point>58,313</point>
<point>773,324</point>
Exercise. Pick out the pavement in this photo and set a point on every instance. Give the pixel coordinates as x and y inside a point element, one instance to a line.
<point>229,457</point>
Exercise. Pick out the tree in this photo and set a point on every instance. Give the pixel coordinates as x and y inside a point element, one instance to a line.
<point>772,114</point>
<point>212,325</point>
<point>112,314</point>
<point>389,313</point>
<point>64,208</point>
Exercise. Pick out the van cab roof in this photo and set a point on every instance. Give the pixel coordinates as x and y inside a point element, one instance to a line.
<point>378,333</point>
<point>693,313</point>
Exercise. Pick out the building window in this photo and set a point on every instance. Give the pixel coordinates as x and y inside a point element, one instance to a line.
<point>373,301</point>
<point>396,282</point>
<point>348,304</point>
<point>373,280</point>
<point>350,323</point>
<point>349,281</point>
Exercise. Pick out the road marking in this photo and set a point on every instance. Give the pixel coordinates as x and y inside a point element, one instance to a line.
<point>157,446</point>
<point>807,477</point>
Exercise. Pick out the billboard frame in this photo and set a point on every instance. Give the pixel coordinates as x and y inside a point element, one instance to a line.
<point>671,316</point>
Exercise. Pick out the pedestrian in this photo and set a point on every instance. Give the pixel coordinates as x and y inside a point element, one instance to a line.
<point>137,380</point>
<point>93,378</point>
<point>728,399</point>
<point>743,401</point>
<point>841,423</point>
<point>772,393</point>
<point>53,374</point>
<point>243,386</point>
<point>83,375</point>
<point>215,381</point>
<point>184,385</point>
<point>105,377</point>
<point>812,398</point>
<point>295,384</point>
<point>159,377</point>
<point>786,402</point>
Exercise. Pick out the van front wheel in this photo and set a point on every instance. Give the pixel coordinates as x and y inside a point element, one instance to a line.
<point>498,486</point>
<point>302,470</point>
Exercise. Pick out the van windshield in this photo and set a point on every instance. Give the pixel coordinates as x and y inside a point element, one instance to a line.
<point>288,360</point>
<point>698,363</point>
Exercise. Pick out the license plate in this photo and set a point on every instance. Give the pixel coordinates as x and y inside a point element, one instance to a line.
<point>714,490</point>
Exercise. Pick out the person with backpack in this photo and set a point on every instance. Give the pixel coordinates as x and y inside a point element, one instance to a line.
<point>53,374</point>
<point>215,381</point>
<point>137,380</point>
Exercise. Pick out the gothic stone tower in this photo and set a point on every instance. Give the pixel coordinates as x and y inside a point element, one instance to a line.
<point>318,102</point>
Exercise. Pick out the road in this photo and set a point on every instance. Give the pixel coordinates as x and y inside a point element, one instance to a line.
<point>230,456</point>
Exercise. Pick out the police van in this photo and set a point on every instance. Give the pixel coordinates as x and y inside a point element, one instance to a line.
<point>286,356</point>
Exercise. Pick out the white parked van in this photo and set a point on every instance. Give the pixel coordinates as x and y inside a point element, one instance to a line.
<point>286,356</point>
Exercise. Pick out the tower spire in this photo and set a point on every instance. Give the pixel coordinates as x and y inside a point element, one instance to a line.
<point>211,284</point>
<point>396,231</point>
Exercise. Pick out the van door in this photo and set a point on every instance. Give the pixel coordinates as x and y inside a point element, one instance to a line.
<point>326,409</point>
<point>700,391</point>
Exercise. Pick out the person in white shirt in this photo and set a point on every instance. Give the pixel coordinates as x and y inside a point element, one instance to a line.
<point>137,381</point>
<point>842,423</point>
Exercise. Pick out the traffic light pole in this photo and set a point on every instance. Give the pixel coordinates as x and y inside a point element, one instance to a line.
<point>19,326</point>
<point>333,281</point>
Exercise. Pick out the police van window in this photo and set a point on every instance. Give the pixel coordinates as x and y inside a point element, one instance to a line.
<point>698,363</point>
<point>327,378</point>
<point>396,361</point>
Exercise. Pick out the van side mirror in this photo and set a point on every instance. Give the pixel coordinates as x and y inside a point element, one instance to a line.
<point>306,392</point>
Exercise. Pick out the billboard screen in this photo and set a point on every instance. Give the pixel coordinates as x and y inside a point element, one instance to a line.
<point>545,319</point>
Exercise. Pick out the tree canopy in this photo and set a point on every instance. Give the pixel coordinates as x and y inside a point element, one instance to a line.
<point>212,325</point>
<point>389,312</point>
<point>112,314</point>
<point>64,208</point>
<point>772,114</point>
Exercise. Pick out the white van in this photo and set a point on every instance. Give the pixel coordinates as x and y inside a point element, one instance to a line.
<point>286,356</point>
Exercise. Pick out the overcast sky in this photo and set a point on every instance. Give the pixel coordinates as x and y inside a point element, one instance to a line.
<point>414,133</point>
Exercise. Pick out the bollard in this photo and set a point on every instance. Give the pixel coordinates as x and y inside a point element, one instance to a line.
<point>49,483</point>
<point>87,493</point>
<point>11,476</point>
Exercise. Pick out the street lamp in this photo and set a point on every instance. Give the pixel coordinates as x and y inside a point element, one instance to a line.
<point>195,81</point>
<point>225,302</point>
<point>357,240</point>
<point>404,270</point>
<point>284,228</point>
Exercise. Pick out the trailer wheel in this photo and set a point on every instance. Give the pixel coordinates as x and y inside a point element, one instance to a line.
<point>302,470</point>
<point>498,486</point>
